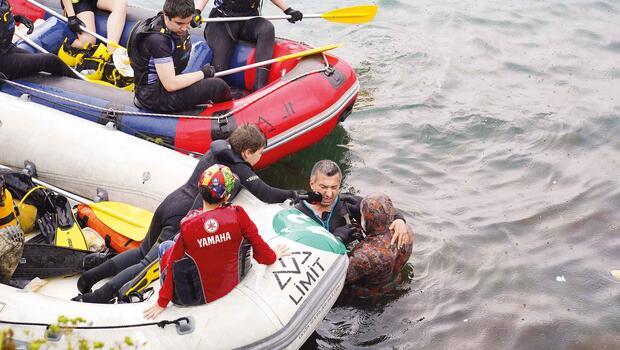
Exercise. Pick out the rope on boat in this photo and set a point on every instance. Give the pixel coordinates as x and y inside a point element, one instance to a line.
<point>160,324</point>
<point>112,111</point>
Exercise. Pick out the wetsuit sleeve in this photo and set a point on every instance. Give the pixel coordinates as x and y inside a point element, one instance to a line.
<point>258,187</point>
<point>361,262</point>
<point>167,290</point>
<point>159,48</point>
<point>261,252</point>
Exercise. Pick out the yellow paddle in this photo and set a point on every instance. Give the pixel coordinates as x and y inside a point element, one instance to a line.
<point>279,59</point>
<point>348,15</point>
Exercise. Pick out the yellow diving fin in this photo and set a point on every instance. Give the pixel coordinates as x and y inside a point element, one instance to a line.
<point>68,232</point>
<point>147,276</point>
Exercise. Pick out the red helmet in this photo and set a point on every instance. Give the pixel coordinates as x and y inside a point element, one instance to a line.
<point>219,179</point>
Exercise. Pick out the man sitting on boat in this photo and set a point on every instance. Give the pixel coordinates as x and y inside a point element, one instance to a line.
<point>240,153</point>
<point>159,48</point>
<point>375,264</point>
<point>339,213</point>
<point>17,63</point>
<point>223,36</point>
<point>82,13</point>
<point>211,239</point>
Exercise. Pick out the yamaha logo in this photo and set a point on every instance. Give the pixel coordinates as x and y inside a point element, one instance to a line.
<point>211,225</point>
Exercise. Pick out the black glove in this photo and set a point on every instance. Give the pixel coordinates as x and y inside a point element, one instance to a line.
<point>197,19</point>
<point>348,233</point>
<point>296,15</point>
<point>208,71</point>
<point>25,21</point>
<point>74,24</point>
<point>310,197</point>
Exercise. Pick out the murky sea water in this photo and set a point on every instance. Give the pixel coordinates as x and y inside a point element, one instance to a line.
<point>495,127</point>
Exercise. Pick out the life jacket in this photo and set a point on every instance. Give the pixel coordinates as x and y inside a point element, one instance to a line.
<point>8,212</point>
<point>156,25</point>
<point>233,8</point>
<point>7,26</point>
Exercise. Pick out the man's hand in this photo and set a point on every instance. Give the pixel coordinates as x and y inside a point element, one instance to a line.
<point>281,250</point>
<point>197,19</point>
<point>25,21</point>
<point>296,15</point>
<point>348,233</point>
<point>152,312</point>
<point>74,24</point>
<point>208,71</point>
<point>399,227</point>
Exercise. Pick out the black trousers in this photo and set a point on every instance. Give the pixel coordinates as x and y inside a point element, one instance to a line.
<point>222,38</point>
<point>154,97</point>
<point>18,63</point>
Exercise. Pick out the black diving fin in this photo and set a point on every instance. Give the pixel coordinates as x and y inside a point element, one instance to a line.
<point>45,261</point>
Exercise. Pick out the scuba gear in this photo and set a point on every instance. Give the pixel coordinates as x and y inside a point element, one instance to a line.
<point>139,283</point>
<point>68,232</point>
<point>95,64</point>
<point>45,261</point>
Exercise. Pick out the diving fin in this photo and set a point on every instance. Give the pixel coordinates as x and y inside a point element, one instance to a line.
<point>45,261</point>
<point>68,232</point>
<point>139,283</point>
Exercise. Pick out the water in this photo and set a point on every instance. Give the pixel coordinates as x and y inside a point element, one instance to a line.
<point>494,126</point>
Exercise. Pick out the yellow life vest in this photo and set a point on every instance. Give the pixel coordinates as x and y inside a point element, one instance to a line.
<point>8,216</point>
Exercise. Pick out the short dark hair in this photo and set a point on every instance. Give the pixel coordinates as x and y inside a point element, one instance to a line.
<point>207,196</point>
<point>247,137</point>
<point>325,167</point>
<point>179,8</point>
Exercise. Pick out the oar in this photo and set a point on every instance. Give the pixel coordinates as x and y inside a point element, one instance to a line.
<point>279,59</point>
<point>120,59</point>
<point>348,15</point>
<point>40,49</point>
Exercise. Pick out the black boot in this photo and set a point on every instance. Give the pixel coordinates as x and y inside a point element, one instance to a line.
<point>102,295</point>
<point>94,275</point>
<point>262,75</point>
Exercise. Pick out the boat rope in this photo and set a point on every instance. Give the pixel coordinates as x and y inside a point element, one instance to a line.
<point>112,111</point>
<point>160,324</point>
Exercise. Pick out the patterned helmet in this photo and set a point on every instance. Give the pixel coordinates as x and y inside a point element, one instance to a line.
<point>219,179</point>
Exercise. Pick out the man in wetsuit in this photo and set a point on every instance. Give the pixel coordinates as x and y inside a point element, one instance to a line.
<point>223,36</point>
<point>339,213</point>
<point>159,48</point>
<point>82,13</point>
<point>211,237</point>
<point>17,63</point>
<point>375,264</point>
<point>240,153</point>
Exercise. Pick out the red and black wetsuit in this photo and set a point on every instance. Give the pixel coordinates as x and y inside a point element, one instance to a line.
<point>212,239</point>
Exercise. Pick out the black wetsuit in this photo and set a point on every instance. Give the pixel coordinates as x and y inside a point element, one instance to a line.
<point>151,43</point>
<point>16,63</point>
<point>222,37</point>
<point>345,212</point>
<point>167,219</point>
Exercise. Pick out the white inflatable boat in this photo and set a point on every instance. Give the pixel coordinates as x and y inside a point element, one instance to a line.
<point>274,307</point>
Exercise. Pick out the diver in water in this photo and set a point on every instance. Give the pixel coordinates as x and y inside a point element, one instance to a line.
<point>339,213</point>
<point>17,63</point>
<point>240,153</point>
<point>211,237</point>
<point>375,263</point>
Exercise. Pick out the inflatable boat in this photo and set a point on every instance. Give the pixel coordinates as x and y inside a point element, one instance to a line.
<point>274,307</point>
<point>304,100</point>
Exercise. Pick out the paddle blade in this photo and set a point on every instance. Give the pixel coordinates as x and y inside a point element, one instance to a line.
<point>352,15</point>
<point>307,52</point>
<point>132,222</point>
